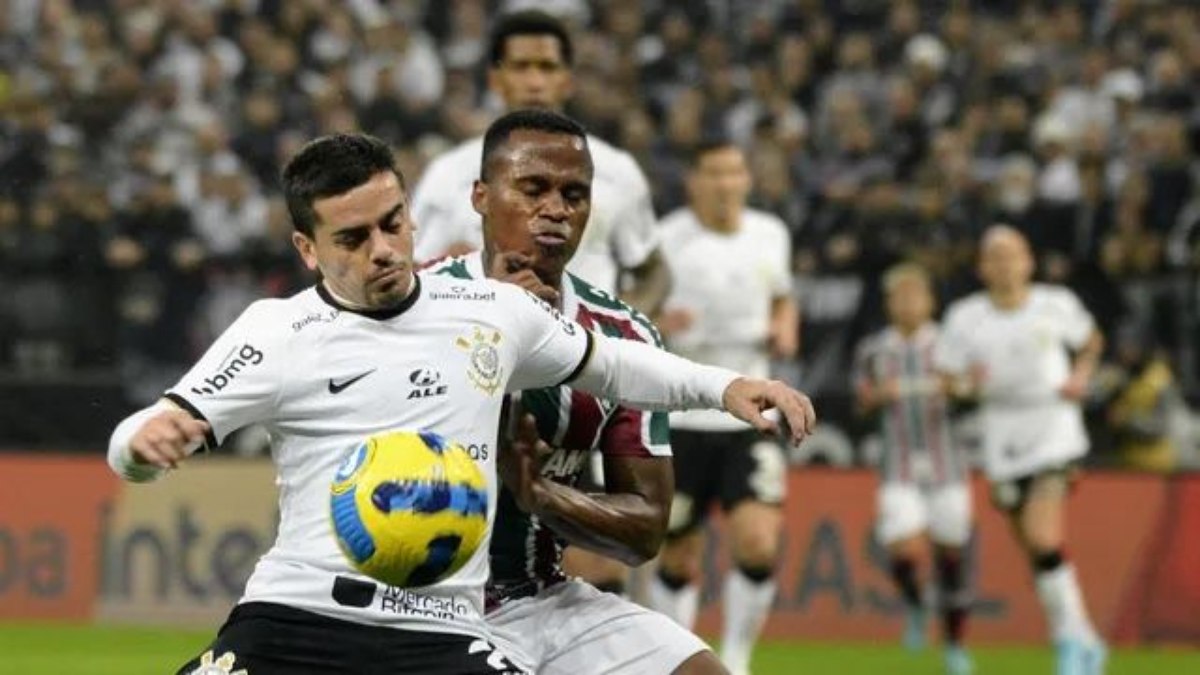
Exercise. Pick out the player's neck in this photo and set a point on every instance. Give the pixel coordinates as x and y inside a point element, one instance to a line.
<point>1009,298</point>
<point>721,222</point>
<point>359,307</point>
<point>906,331</point>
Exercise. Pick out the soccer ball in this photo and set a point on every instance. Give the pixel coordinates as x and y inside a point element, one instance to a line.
<point>409,508</point>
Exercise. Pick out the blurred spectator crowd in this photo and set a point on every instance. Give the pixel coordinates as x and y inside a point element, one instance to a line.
<point>140,142</point>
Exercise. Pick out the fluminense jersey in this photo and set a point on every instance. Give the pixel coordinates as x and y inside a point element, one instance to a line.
<point>620,231</point>
<point>322,378</point>
<point>525,553</point>
<point>917,445</point>
<point>1027,425</point>
<point>727,282</point>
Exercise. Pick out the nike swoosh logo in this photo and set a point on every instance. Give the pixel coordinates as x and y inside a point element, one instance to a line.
<point>339,387</point>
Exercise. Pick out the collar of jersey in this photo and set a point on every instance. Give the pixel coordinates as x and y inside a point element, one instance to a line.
<point>376,314</point>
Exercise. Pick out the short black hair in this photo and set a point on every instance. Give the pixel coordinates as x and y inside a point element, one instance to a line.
<point>330,166</point>
<point>529,22</point>
<point>707,145</point>
<point>531,119</point>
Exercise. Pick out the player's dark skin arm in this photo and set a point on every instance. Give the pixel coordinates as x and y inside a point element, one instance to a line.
<point>627,523</point>
<point>651,283</point>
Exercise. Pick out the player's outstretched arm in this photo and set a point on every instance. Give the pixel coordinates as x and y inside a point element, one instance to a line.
<point>627,523</point>
<point>154,439</point>
<point>645,377</point>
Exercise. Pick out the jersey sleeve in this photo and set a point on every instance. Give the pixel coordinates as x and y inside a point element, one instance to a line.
<point>551,348</point>
<point>1077,322</point>
<point>635,231</point>
<point>238,380</point>
<point>631,432</point>
<point>951,353</point>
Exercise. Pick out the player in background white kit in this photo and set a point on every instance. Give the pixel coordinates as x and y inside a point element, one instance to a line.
<point>331,365</point>
<point>531,56</point>
<point>533,196</point>
<point>731,304</point>
<point>1027,351</point>
<point>923,491</point>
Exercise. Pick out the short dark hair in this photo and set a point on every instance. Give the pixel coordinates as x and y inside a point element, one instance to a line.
<point>709,144</point>
<point>531,119</point>
<point>330,166</point>
<point>529,22</point>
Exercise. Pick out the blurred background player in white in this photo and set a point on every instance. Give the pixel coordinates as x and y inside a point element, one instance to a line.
<point>1011,346</point>
<point>923,491</point>
<point>730,304</point>
<point>531,58</point>
<point>566,625</point>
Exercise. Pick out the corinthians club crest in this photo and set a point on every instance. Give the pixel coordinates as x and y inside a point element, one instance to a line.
<point>484,368</point>
<point>222,665</point>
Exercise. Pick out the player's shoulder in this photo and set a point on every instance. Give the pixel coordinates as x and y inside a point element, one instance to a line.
<point>282,318</point>
<point>455,267</point>
<point>615,317</point>
<point>679,222</point>
<point>459,163</point>
<point>1053,294</point>
<point>763,220</point>
<point>610,159</point>
<point>968,308</point>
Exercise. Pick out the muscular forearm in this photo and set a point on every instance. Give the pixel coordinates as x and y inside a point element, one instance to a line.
<point>1089,355</point>
<point>627,527</point>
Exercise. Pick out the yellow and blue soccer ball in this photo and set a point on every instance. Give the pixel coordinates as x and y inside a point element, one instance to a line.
<point>409,508</point>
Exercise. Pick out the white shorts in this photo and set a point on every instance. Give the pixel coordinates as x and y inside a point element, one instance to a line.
<point>1021,441</point>
<point>572,628</point>
<point>907,509</point>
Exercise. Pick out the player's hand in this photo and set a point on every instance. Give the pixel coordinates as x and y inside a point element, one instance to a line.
<point>1075,387</point>
<point>514,268</point>
<point>888,391</point>
<point>166,439</point>
<point>746,398</point>
<point>520,464</point>
<point>672,321</point>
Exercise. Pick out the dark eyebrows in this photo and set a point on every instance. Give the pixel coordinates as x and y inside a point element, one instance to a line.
<point>358,230</point>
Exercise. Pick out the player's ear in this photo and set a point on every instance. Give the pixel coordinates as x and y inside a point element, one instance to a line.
<point>307,249</point>
<point>479,191</point>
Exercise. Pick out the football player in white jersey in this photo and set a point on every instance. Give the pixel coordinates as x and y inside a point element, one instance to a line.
<point>1027,351</point>
<point>532,195</point>
<point>331,365</point>
<point>531,56</point>
<point>923,490</point>
<point>730,304</point>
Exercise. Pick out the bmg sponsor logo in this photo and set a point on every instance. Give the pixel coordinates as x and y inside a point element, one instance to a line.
<point>238,359</point>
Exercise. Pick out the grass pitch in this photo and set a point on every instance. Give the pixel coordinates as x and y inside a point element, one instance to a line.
<point>106,650</point>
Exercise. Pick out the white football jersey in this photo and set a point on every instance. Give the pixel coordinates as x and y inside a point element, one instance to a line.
<point>322,378</point>
<point>1027,425</point>
<point>620,233</point>
<point>727,282</point>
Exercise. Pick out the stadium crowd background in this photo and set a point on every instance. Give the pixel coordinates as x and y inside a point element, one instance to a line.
<point>140,142</point>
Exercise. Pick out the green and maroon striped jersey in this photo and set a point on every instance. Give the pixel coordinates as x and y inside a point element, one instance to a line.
<point>524,552</point>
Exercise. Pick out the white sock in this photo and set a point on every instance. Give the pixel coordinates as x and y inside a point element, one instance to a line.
<point>681,605</point>
<point>746,605</point>
<point>1063,602</point>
